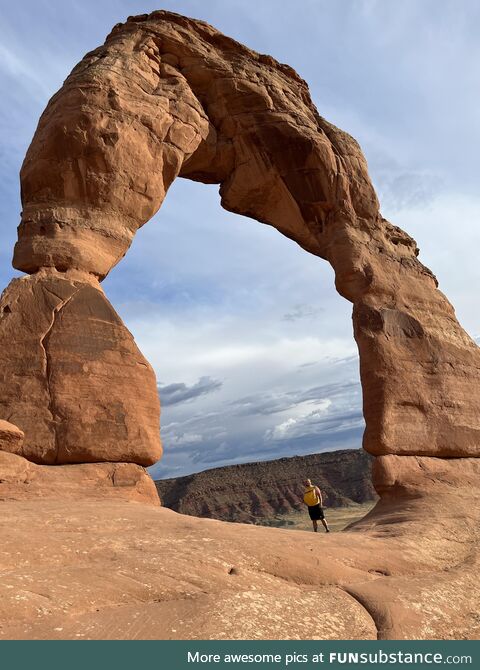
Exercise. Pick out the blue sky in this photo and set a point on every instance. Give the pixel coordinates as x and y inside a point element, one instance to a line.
<point>252,347</point>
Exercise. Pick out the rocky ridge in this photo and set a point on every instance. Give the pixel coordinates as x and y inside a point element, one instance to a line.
<point>253,491</point>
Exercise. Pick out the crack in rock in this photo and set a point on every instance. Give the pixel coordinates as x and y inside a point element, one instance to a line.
<point>363,604</point>
<point>44,341</point>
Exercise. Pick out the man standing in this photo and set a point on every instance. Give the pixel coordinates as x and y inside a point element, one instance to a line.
<point>313,499</point>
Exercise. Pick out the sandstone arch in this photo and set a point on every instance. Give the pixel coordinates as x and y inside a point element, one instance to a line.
<point>168,96</point>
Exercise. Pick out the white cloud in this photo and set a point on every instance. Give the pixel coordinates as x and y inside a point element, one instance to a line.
<point>303,311</point>
<point>295,426</point>
<point>185,439</point>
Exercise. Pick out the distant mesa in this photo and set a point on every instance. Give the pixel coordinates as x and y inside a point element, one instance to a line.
<point>255,492</point>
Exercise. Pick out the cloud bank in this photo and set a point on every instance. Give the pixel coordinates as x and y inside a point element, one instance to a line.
<point>173,394</point>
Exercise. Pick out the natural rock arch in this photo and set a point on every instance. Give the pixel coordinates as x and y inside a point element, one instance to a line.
<point>167,96</point>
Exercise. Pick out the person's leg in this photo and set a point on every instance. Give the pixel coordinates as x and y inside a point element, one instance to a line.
<point>325,525</point>
<point>315,525</point>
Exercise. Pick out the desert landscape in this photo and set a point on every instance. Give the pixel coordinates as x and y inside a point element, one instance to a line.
<point>88,551</point>
<point>270,493</point>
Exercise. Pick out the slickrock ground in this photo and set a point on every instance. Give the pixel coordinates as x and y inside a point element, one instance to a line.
<point>117,570</point>
<point>253,491</point>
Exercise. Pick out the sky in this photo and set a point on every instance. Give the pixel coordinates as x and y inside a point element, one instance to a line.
<point>251,345</point>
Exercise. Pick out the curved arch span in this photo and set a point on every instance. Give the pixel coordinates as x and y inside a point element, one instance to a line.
<point>168,96</point>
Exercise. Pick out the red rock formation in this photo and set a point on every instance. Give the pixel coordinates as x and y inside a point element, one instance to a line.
<point>23,480</point>
<point>168,96</point>
<point>11,437</point>
<point>72,377</point>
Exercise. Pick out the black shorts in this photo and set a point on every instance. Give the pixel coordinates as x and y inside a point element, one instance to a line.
<point>316,512</point>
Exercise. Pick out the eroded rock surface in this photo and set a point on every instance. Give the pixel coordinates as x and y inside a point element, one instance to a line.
<point>121,570</point>
<point>23,480</point>
<point>167,96</point>
<point>72,377</point>
<point>11,437</point>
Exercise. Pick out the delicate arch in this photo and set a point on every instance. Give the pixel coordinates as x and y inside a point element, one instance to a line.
<point>168,96</point>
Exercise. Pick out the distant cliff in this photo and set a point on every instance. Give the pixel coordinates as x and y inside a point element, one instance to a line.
<point>253,491</point>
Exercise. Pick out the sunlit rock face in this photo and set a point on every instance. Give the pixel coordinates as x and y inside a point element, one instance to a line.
<point>168,96</point>
<point>11,437</point>
<point>72,377</point>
